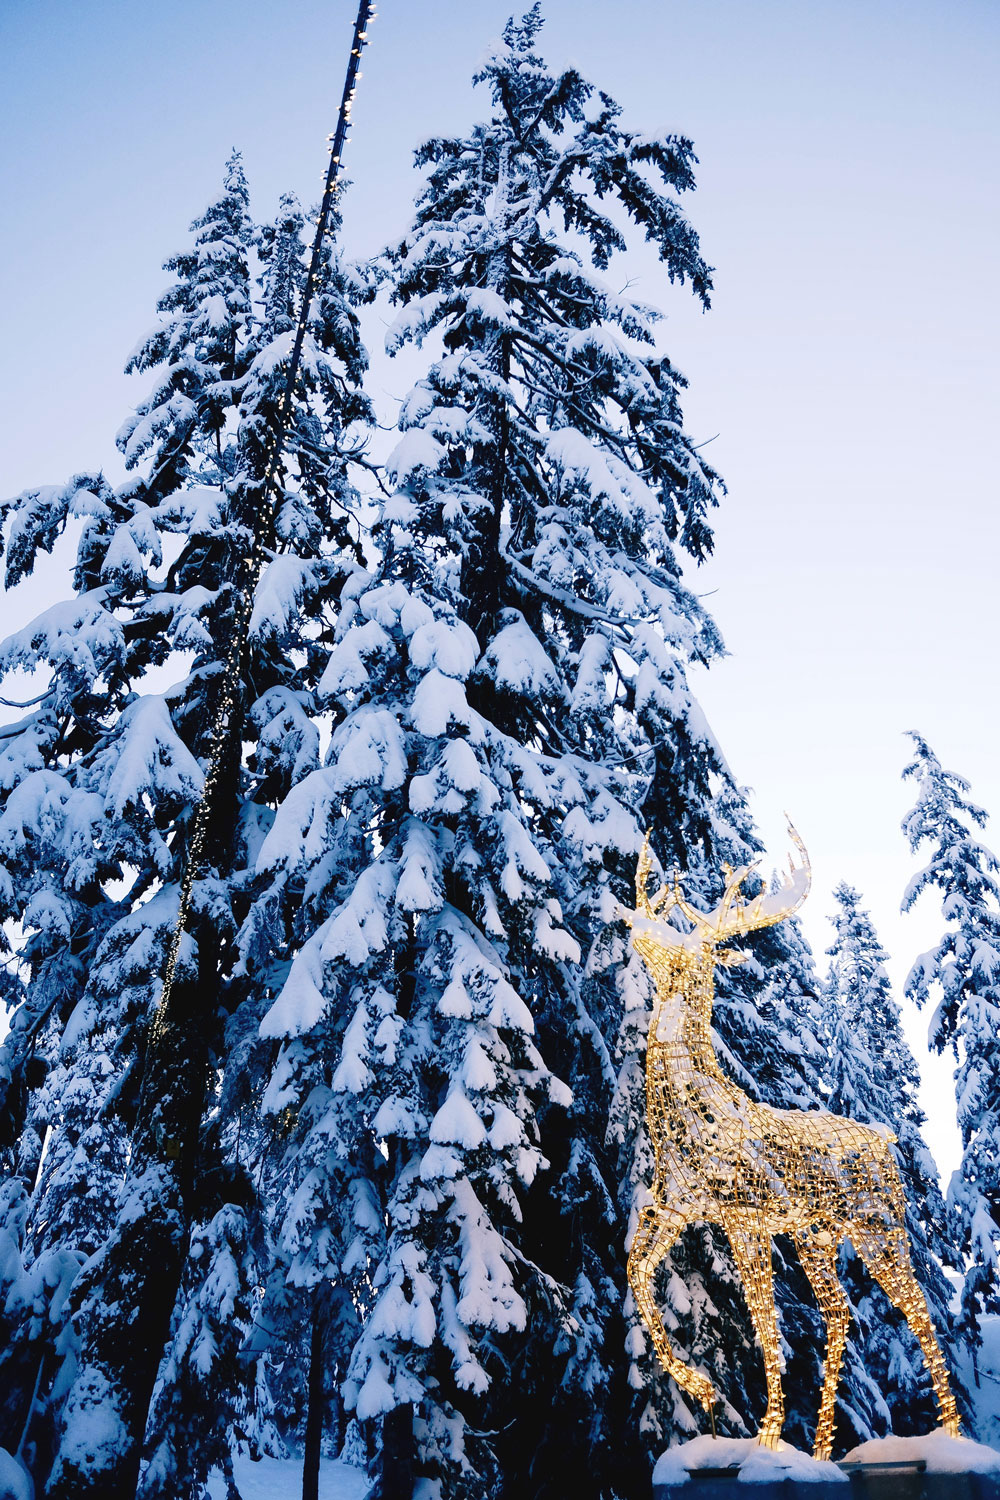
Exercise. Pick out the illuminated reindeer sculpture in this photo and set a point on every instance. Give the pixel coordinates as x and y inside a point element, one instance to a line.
<point>723,1159</point>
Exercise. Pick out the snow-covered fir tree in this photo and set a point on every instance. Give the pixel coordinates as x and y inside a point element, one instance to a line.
<point>509,687</point>
<point>99,783</point>
<point>405,943</point>
<point>871,1073</point>
<point>96,775</point>
<point>872,1076</point>
<point>960,975</point>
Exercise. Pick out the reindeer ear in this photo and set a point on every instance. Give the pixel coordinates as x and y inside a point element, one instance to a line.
<point>731,958</point>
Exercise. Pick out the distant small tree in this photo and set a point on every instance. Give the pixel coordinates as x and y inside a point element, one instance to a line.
<point>961,975</point>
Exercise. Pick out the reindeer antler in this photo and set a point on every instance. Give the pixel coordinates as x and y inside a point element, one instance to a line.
<point>667,897</point>
<point>733,915</point>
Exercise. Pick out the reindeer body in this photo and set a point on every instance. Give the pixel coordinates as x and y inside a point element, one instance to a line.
<point>723,1158</point>
<point>730,1149</point>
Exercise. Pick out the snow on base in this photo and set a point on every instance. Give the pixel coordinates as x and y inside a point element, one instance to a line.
<point>756,1464</point>
<point>942,1454</point>
<point>281,1479</point>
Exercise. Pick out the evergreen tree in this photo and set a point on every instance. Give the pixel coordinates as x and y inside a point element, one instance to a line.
<point>872,1076</point>
<point>97,775</point>
<point>511,705</point>
<point>961,974</point>
<point>100,784</point>
<point>413,868</point>
<point>540,475</point>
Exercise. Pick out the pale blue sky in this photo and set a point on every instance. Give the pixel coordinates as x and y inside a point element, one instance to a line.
<point>848,198</point>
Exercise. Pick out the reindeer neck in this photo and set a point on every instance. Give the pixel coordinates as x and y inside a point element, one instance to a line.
<point>680,1030</point>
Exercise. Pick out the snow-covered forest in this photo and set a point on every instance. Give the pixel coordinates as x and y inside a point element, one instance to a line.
<point>322,785</point>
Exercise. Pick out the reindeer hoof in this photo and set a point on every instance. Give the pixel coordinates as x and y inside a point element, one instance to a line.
<point>702,1389</point>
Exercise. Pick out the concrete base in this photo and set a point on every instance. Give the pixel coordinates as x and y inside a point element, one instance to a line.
<point>935,1467</point>
<point>866,1483</point>
<point>714,1484</point>
<point>913,1482</point>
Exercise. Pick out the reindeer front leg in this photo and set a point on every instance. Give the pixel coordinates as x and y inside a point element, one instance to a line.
<point>658,1231</point>
<point>752,1252</point>
<point>819,1261</point>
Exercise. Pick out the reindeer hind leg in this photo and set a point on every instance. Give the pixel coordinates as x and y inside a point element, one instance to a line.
<point>884,1250</point>
<point>752,1252</point>
<point>658,1231</point>
<point>819,1261</point>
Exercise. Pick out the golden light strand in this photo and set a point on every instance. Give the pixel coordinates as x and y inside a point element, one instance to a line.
<point>263,530</point>
<point>722,1158</point>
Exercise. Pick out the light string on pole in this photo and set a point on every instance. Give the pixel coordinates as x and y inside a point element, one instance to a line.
<point>226,720</point>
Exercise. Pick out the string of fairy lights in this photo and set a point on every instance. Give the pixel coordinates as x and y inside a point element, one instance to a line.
<point>722,1158</point>
<point>225,725</point>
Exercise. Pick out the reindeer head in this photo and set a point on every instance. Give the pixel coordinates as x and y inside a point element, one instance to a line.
<point>653,936</point>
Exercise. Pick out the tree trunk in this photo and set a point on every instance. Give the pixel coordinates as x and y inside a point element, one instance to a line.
<point>397,1455</point>
<point>338,1424</point>
<point>124,1298</point>
<point>482,574</point>
<point>123,1327</point>
<point>314,1409</point>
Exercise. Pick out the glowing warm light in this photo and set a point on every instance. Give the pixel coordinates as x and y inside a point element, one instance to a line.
<point>722,1158</point>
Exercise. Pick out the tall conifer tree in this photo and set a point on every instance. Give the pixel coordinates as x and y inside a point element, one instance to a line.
<point>540,476</point>
<point>961,975</point>
<point>100,782</point>
<point>872,1076</point>
<point>511,708</point>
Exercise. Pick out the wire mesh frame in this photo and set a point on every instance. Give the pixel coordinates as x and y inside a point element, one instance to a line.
<point>722,1158</point>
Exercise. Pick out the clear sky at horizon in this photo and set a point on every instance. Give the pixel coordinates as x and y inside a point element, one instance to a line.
<point>846,375</point>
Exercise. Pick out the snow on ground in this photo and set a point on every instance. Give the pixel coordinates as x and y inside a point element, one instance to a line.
<point>942,1454</point>
<point>757,1464</point>
<point>14,1482</point>
<point>986,1395</point>
<point>281,1479</point>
